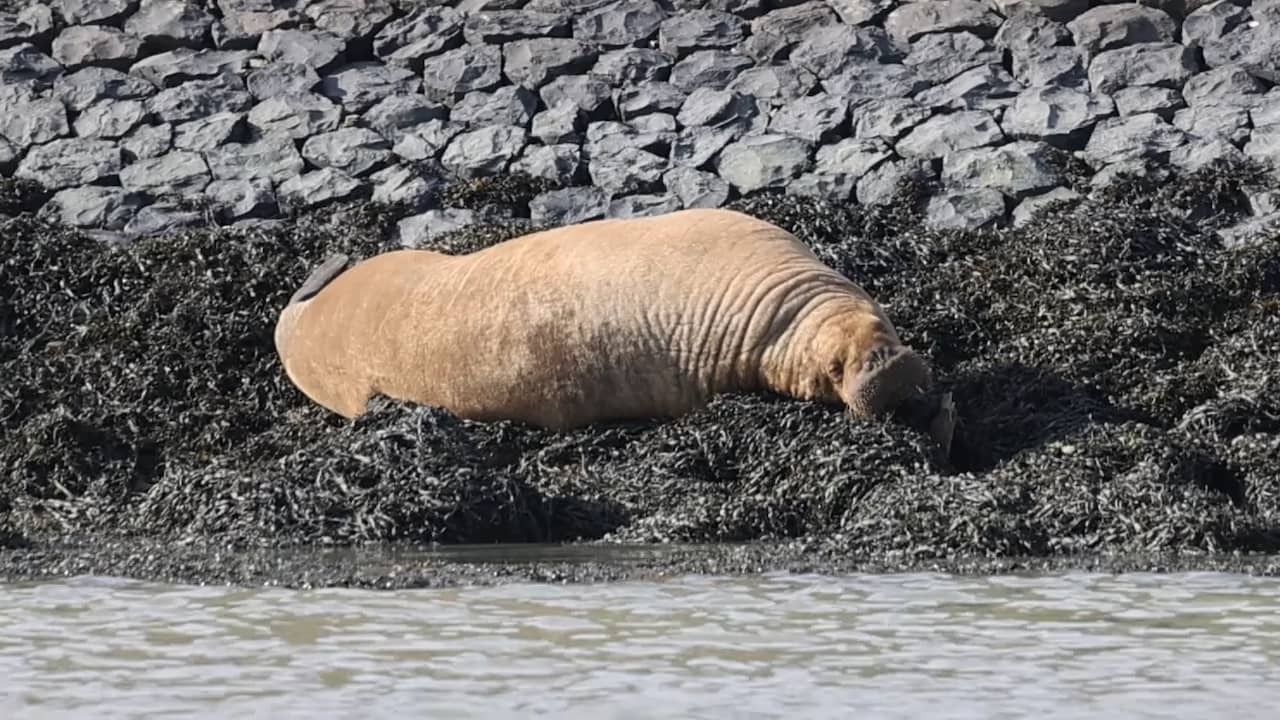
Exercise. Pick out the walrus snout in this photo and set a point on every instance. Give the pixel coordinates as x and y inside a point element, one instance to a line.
<point>894,379</point>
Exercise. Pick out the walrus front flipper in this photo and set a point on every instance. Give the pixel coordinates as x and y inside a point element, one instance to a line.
<point>321,276</point>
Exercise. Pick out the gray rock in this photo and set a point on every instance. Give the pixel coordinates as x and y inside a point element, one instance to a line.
<point>317,189</point>
<point>700,29</point>
<point>1261,201</point>
<point>455,73</point>
<point>659,126</point>
<point>724,110</point>
<point>1017,169</point>
<point>8,156</point>
<point>620,24</point>
<point>1212,22</point>
<point>1267,110</point>
<point>1160,64</point>
<point>831,188</point>
<point>426,141</point>
<point>396,114</point>
<point>697,146</point>
<point>200,98</point>
<point>591,94</point>
<point>1202,151</point>
<point>82,45</point>
<point>504,26</point>
<point>940,57</point>
<point>160,219</point>
<point>167,24</point>
<point>236,199</point>
<point>1137,168</point>
<point>742,8</point>
<point>175,67</point>
<point>1059,10</point>
<point>92,206</point>
<point>350,19</point>
<point>424,32</point>
<point>1062,116</point>
<point>763,161</point>
<point>568,206</point>
<point>880,184</point>
<point>484,151</point>
<point>532,63</point>
<point>1249,231</point>
<point>875,81</point>
<point>631,206</point>
<point>510,105</point>
<point>282,79</point>
<point>629,170</point>
<point>33,122</point>
<point>110,119</point>
<point>405,185</point>
<point>1135,137</point>
<point>94,12</point>
<point>1107,27</point>
<point>774,85</point>
<point>33,24</point>
<point>888,118</point>
<point>1147,99</point>
<point>422,230</point>
<point>1027,33</point>
<point>1254,46</point>
<point>68,162</point>
<point>695,188</point>
<point>356,151</point>
<point>850,159</point>
<point>635,100</point>
<point>1264,143</point>
<point>912,20</point>
<point>827,50</point>
<point>1030,208</point>
<point>272,157</point>
<point>632,66</point>
<point>1063,65</point>
<point>986,87</point>
<point>177,173</point>
<point>24,65</point>
<point>360,86</point>
<point>316,50</point>
<point>713,69</point>
<point>298,115</point>
<point>858,12</point>
<point>815,119</point>
<point>606,138</point>
<point>942,135</point>
<point>84,87</point>
<point>147,141</point>
<point>964,209</point>
<point>558,163</point>
<point>774,34</point>
<point>1226,85</point>
<point>561,123</point>
<point>243,30</point>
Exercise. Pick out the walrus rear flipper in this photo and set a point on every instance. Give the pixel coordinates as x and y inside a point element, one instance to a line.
<point>321,276</point>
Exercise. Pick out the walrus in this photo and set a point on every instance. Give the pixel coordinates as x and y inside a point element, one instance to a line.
<point>606,320</point>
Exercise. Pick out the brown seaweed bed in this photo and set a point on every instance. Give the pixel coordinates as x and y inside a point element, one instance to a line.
<point>1115,366</point>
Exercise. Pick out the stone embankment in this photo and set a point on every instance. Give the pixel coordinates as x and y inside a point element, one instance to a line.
<point>141,117</point>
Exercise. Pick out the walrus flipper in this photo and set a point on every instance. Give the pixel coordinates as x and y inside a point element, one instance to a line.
<point>321,276</point>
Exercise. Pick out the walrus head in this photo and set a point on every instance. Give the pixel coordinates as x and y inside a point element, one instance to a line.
<point>894,379</point>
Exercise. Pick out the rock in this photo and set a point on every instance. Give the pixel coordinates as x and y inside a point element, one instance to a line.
<point>84,87</point>
<point>700,29</point>
<point>722,109</point>
<point>1107,27</point>
<point>1025,33</point>
<point>159,219</point>
<point>696,146</point>
<point>200,98</point>
<point>110,119</point>
<point>774,85</point>
<point>1249,231</point>
<point>272,157</point>
<point>426,141</point>
<point>1202,151</point>
<point>775,33</point>
<point>297,115</point>
<point>763,161</point>
<point>92,206</point>
<point>1030,207</point>
<point>632,66</point>
<point>1266,110</point>
<point>987,87</point>
<point>83,45</point>
<point>395,114</point>
<point>1061,116</point>
<point>875,81</point>
<point>236,199</point>
<point>455,73</point>
<point>827,50</point>
<point>631,206</point>
<point>282,79</point>
<point>1263,145</point>
<point>629,170</point>
<point>8,156</point>
<point>424,32</point>
<point>317,50</point>
<point>532,63</point>
<point>562,123</point>
<point>858,12</point>
<point>695,188</point>
<point>908,22</point>
<point>880,184</point>
<point>484,151</point>
<point>1212,23</point>
<point>851,158</point>
<point>558,162</point>
<point>510,105</point>
<point>746,9</point>
<point>168,24</point>
<point>636,100</point>
<point>34,24</point>
<point>713,69</point>
<point>421,230</point>
<point>504,26</point>
<point>94,12</point>
<point>175,67</point>
<point>964,209</point>
<point>350,19</point>
<point>941,135</point>
<point>1135,137</point>
<point>1017,169</point>
<point>356,151</point>
<point>317,189</point>
<point>1160,64</point>
<point>1059,10</point>
<point>620,24</point>
<point>244,30</point>
<point>940,57</point>
<point>661,127</point>
<point>888,118</point>
<point>405,185</point>
<point>831,188</point>
<point>147,141</point>
<point>33,122</point>
<point>1146,99</point>
<point>1228,85</point>
<point>360,86</point>
<point>1254,45</point>
<point>69,162</point>
<point>568,206</point>
<point>606,138</point>
<point>815,119</point>
<point>176,173</point>
<point>1114,173</point>
<point>591,94</point>
<point>1063,66</point>
<point>23,65</point>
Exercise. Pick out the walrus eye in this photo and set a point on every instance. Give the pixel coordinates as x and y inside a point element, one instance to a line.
<point>835,369</point>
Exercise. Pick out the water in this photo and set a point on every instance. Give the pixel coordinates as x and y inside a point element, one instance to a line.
<point>893,646</point>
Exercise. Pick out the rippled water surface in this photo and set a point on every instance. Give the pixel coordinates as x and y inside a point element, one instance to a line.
<point>902,646</point>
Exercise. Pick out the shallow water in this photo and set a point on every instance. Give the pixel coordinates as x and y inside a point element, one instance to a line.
<point>1200,645</point>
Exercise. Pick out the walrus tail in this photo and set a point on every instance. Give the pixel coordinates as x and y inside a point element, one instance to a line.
<point>320,277</point>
